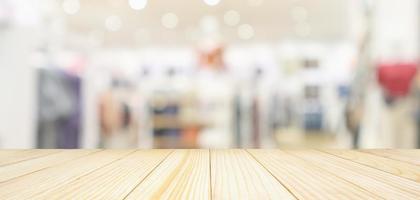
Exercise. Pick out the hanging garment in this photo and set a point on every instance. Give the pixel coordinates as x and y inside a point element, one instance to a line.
<point>59,103</point>
<point>119,126</point>
<point>396,78</point>
<point>256,122</point>
<point>169,113</point>
<point>313,116</point>
<point>238,119</point>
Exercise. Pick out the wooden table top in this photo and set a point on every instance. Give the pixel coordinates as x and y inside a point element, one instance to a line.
<point>210,174</point>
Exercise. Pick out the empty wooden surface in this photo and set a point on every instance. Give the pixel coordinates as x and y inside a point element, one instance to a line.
<point>210,174</point>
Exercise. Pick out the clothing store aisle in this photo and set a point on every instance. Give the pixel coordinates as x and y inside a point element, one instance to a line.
<point>210,174</point>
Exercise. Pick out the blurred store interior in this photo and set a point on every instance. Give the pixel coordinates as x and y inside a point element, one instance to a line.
<point>209,74</point>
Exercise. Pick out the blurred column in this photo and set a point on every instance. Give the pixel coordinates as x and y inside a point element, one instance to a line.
<point>17,77</point>
<point>396,29</point>
<point>394,40</point>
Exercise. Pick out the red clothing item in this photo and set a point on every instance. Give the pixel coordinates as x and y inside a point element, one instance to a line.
<point>396,78</point>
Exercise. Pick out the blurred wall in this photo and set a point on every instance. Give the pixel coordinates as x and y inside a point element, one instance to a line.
<point>17,103</point>
<point>396,29</point>
<point>17,76</point>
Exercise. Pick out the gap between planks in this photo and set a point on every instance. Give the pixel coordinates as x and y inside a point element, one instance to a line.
<point>48,179</point>
<point>26,167</point>
<point>244,165</point>
<point>377,181</point>
<point>393,167</point>
<point>408,156</point>
<point>151,171</point>
<point>25,155</point>
<point>247,150</point>
<point>302,178</point>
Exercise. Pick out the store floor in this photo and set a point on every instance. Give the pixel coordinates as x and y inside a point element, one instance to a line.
<point>297,138</point>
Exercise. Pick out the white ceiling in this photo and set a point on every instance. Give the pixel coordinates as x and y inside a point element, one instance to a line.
<point>272,20</point>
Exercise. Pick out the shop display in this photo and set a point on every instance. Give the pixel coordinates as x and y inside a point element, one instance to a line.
<point>117,74</point>
<point>118,116</point>
<point>59,109</point>
<point>396,79</point>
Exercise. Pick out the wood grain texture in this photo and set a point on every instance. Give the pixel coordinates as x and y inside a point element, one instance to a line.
<point>25,167</point>
<point>15,156</point>
<point>209,174</point>
<point>302,178</point>
<point>185,174</point>
<point>236,175</point>
<point>380,183</point>
<point>395,167</point>
<point>117,180</point>
<point>409,156</point>
<point>26,187</point>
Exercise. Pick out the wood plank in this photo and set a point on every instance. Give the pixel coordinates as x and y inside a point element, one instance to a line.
<point>205,174</point>
<point>25,167</point>
<point>304,180</point>
<point>15,156</point>
<point>235,174</point>
<point>41,181</point>
<point>383,184</point>
<point>395,167</point>
<point>115,181</point>
<point>414,152</point>
<point>405,156</point>
<point>5,153</point>
<point>185,174</point>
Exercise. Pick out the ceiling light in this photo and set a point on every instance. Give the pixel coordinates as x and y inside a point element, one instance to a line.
<point>137,4</point>
<point>246,31</point>
<point>212,2</point>
<point>232,18</point>
<point>169,20</point>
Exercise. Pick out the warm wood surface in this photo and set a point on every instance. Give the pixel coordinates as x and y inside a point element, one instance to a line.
<point>209,174</point>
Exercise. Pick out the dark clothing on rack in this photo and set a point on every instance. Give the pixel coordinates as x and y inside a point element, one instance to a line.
<point>59,114</point>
